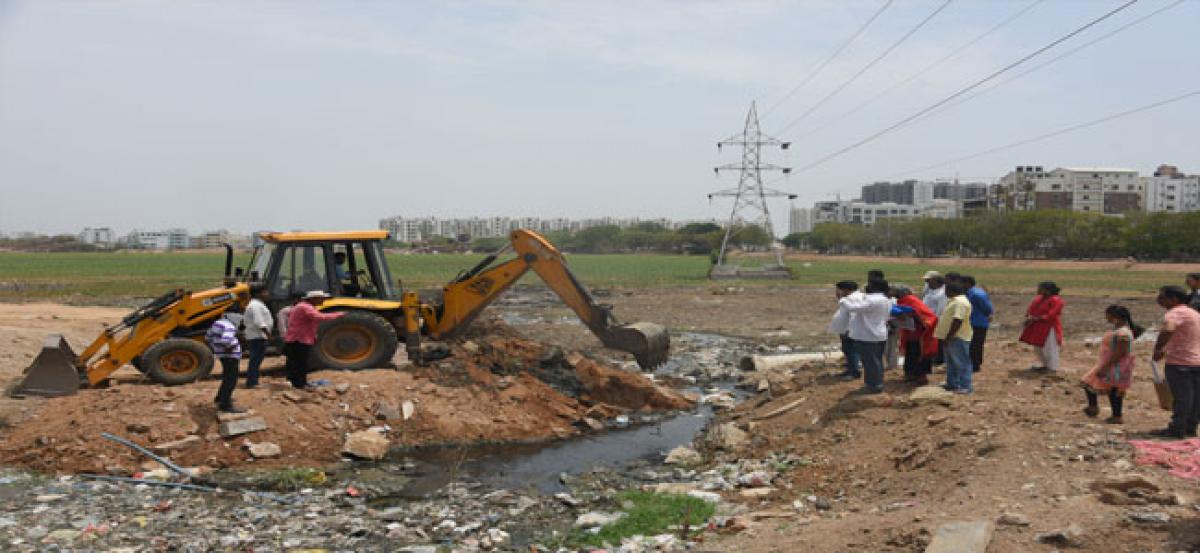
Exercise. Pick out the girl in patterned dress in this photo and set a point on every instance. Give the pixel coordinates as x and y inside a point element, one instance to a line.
<point>1114,372</point>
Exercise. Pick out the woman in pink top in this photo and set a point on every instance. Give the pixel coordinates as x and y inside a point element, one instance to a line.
<point>1178,346</point>
<point>302,334</point>
<point>1114,372</point>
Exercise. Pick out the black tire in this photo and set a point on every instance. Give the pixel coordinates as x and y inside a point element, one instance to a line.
<point>137,364</point>
<point>356,340</point>
<point>177,361</point>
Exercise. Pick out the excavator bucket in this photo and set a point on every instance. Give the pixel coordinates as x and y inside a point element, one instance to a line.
<point>649,343</point>
<point>53,372</point>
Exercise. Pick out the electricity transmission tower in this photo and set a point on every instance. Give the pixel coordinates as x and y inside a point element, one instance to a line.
<point>750,196</point>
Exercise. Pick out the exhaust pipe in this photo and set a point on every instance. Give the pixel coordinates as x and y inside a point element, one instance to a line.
<point>53,373</point>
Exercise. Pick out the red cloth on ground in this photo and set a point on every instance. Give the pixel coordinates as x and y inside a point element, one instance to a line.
<point>926,320</point>
<point>1181,456</point>
<point>1047,314</point>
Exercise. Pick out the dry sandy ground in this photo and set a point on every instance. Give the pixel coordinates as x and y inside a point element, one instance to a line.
<point>896,472</point>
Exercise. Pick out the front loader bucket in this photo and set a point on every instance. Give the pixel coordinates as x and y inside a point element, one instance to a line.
<point>53,372</point>
<point>649,343</point>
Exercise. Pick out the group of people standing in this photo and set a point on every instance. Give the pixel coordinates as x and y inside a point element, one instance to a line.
<point>296,323</point>
<point>947,324</point>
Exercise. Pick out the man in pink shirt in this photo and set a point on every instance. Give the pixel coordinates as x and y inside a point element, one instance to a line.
<point>302,334</point>
<point>1179,346</point>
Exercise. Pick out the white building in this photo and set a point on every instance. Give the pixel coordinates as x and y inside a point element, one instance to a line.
<point>1088,189</point>
<point>102,237</point>
<point>800,219</point>
<point>942,209</point>
<point>170,239</point>
<point>1174,194</point>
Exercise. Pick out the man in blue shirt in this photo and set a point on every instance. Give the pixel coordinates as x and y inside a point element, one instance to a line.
<point>981,319</point>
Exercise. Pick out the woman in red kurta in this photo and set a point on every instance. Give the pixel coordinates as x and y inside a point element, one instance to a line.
<point>1043,318</point>
<point>917,343</point>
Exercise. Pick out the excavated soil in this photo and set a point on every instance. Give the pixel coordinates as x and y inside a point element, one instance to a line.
<point>487,391</point>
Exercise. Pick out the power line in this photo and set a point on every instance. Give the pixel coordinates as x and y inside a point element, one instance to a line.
<point>976,84</point>
<point>927,68</point>
<point>868,66</point>
<point>1052,134</point>
<point>1057,58</point>
<point>831,57</point>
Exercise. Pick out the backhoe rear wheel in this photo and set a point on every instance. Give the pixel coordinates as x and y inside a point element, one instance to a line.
<point>177,361</point>
<point>356,340</point>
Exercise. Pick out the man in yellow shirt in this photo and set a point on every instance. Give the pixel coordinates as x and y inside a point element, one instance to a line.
<point>954,330</point>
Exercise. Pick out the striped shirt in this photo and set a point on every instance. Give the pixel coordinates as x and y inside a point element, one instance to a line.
<point>222,338</point>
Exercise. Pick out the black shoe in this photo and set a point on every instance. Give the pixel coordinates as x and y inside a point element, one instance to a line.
<point>1167,432</point>
<point>849,377</point>
<point>231,408</point>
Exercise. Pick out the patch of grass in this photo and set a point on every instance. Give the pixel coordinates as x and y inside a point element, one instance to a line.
<point>649,514</point>
<point>292,479</point>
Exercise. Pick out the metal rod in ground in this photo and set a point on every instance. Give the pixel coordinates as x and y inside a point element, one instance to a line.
<point>150,482</point>
<point>165,462</point>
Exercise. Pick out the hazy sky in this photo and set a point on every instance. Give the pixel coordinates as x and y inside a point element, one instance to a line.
<point>253,115</point>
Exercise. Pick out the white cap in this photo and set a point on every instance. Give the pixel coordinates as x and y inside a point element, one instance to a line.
<point>931,274</point>
<point>316,294</point>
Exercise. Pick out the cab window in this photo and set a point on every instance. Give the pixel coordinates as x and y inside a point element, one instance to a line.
<point>302,270</point>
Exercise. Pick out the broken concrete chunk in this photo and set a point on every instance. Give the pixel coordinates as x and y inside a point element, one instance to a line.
<point>226,417</point>
<point>177,445</point>
<point>684,457</point>
<point>1071,536</point>
<point>238,427</point>
<point>407,409</point>
<point>728,436</point>
<point>387,411</point>
<point>1012,519</point>
<point>962,537</point>
<point>1148,517</point>
<point>366,444</point>
<point>264,450</point>
<point>756,493</point>
<point>931,395</point>
<point>595,519</point>
<point>1125,483</point>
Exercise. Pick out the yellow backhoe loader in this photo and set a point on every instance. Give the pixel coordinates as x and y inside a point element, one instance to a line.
<point>164,338</point>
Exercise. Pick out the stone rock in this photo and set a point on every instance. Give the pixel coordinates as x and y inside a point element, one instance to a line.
<point>734,525</point>
<point>728,436</point>
<point>1012,519</point>
<point>596,519</point>
<point>496,537</point>
<point>1166,498</point>
<point>1115,497</point>
<point>227,417</point>
<point>1148,517</point>
<point>62,534</point>
<point>137,428</point>
<point>238,427</point>
<point>962,537</point>
<point>710,497</point>
<point>387,411</point>
<point>592,424</point>
<point>407,409</point>
<point>1125,483</point>
<point>931,395</point>
<point>1071,536</point>
<point>681,488</point>
<point>366,444</point>
<point>756,493</point>
<point>568,499</point>
<point>684,457</point>
<point>470,347</point>
<point>264,450</point>
<point>186,442</point>
<point>342,387</point>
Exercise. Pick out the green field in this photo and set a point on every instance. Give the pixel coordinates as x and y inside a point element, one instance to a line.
<point>126,278</point>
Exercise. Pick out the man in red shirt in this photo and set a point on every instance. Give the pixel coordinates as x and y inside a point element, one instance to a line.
<point>1179,345</point>
<point>302,334</point>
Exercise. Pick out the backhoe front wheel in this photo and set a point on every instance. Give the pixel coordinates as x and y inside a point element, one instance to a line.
<point>356,340</point>
<point>177,361</point>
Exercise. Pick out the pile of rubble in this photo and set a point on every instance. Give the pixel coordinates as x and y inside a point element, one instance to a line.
<point>494,389</point>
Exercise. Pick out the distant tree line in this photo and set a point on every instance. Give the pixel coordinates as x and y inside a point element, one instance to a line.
<point>693,238</point>
<point>58,243</point>
<point>1024,234</point>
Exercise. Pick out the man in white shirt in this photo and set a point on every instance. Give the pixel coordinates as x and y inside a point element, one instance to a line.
<point>935,298</point>
<point>840,325</point>
<point>869,315</point>
<point>258,323</point>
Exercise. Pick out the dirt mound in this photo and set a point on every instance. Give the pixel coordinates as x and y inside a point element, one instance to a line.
<point>501,389</point>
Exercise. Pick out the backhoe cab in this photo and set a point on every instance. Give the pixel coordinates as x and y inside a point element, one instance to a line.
<point>164,338</point>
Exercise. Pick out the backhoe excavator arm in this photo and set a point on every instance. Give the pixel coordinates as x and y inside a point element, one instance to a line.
<point>465,297</point>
